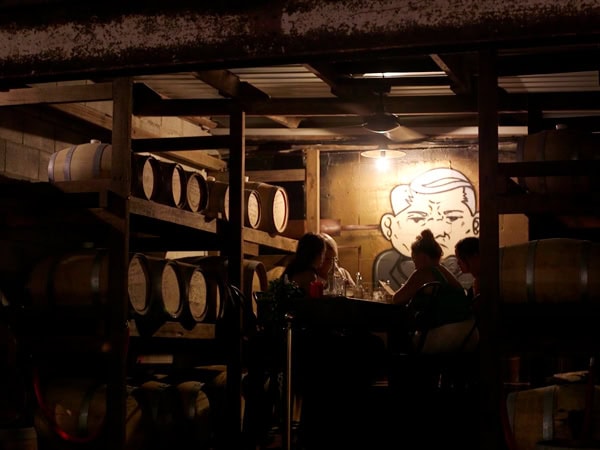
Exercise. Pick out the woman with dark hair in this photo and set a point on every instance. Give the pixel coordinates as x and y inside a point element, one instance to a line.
<point>310,253</point>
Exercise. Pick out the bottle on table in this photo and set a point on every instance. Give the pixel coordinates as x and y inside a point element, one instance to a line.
<point>359,289</point>
<point>336,284</point>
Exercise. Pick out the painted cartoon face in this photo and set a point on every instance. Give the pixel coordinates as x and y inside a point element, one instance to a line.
<point>443,213</point>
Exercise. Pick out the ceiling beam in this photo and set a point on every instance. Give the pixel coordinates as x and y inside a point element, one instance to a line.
<point>257,136</point>
<point>457,71</point>
<point>327,74</point>
<point>417,105</point>
<point>57,94</point>
<point>229,85</point>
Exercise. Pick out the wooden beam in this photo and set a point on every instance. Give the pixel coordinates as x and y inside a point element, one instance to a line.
<point>276,176</point>
<point>312,189</point>
<point>181,143</point>
<point>456,70</point>
<point>404,105</point>
<point>57,94</point>
<point>229,85</point>
<point>488,317</point>
<point>289,122</point>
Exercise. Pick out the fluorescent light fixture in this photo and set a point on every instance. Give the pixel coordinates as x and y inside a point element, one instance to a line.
<point>400,74</point>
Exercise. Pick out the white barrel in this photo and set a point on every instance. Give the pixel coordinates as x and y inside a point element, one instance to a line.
<point>81,162</point>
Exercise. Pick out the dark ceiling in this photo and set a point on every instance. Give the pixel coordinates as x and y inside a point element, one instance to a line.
<point>310,71</point>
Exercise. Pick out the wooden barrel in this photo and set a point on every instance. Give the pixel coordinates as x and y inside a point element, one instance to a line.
<point>72,279</point>
<point>214,270</point>
<point>194,414</point>
<point>74,410</point>
<point>144,285</point>
<point>173,290</point>
<point>200,294</point>
<point>218,204</point>
<point>158,403</point>
<point>196,191</point>
<point>559,145</point>
<point>255,280</point>
<point>18,438</point>
<point>145,177</point>
<point>275,206</point>
<point>252,209</point>
<point>155,287</point>
<point>550,413</point>
<point>172,184</point>
<point>550,271</point>
<point>218,200</point>
<point>81,162</point>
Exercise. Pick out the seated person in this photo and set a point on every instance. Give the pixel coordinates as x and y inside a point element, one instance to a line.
<point>467,254</point>
<point>451,304</point>
<point>328,363</point>
<point>310,254</point>
<point>331,257</point>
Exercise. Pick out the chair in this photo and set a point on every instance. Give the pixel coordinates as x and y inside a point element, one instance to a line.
<point>445,355</point>
<point>433,376</point>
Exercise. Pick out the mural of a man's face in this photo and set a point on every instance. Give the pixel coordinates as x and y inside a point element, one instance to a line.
<point>445,213</point>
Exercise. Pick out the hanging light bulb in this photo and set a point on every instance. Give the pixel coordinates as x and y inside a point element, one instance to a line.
<point>383,156</point>
<point>382,163</point>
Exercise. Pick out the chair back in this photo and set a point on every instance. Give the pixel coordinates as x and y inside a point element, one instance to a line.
<point>455,337</point>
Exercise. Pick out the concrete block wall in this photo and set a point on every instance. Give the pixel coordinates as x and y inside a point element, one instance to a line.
<point>29,136</point>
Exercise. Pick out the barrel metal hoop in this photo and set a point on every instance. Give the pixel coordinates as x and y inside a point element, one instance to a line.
<point>84,409</point>
<point>548,414</point>
<point>51,167</point>
<point>191,406</point>
<point>530,271</point>
<point>511,401</point>
<point>67,167</point>
<point>98,160</point>
<point>584,270</point>
<point>95,275</point>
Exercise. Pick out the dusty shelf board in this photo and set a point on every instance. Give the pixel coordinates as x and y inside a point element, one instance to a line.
<point>176,330</point>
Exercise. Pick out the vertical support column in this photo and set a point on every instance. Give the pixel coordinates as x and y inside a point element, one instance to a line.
<point>234,250</point>
<point>490,387</point>
<point>118,254</point>
<point>313,190</point>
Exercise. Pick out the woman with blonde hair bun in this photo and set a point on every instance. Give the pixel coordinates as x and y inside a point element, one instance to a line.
<point>452,303</point>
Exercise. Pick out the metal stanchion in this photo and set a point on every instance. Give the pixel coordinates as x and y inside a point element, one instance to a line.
<point>287,406</point>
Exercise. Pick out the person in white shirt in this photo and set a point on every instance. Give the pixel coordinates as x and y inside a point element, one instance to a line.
<point>331,257</point>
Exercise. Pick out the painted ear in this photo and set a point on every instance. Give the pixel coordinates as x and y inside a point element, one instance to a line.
<point>386,226</point>
<point>475,225</point>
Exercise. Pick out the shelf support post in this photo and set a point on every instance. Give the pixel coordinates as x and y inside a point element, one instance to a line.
<point>490,384</point>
